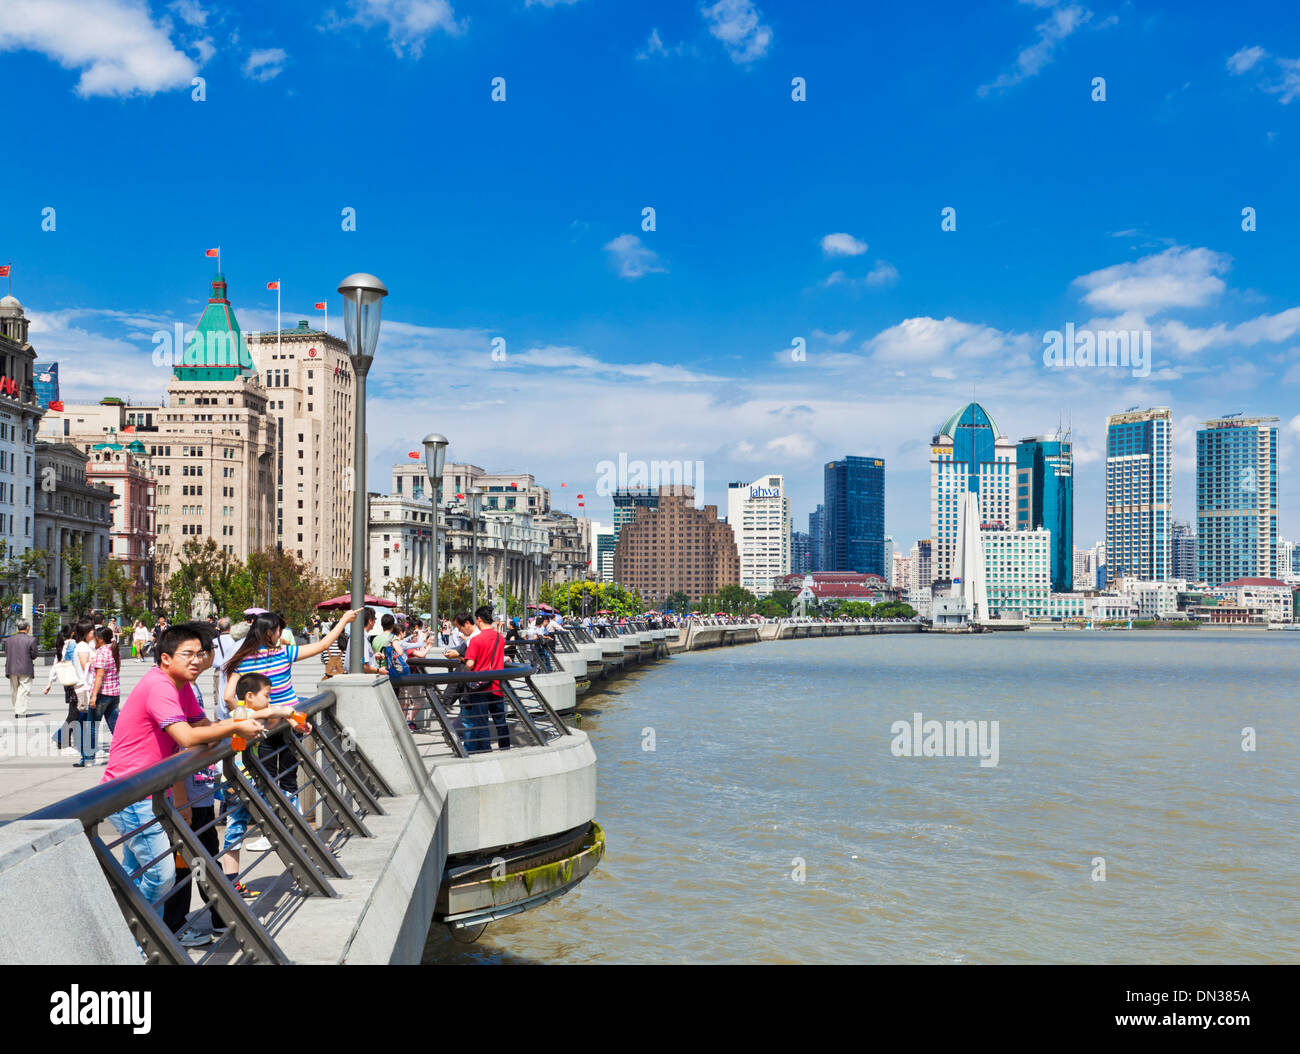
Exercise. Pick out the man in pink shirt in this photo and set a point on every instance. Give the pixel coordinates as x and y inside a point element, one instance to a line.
<point>160,717</point>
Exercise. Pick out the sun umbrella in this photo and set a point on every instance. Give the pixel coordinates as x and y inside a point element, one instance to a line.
<point>345,602</point>
<point>254,612</point>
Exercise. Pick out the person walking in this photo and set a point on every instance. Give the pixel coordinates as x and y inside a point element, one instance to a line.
<point>63,649</point>
<point>20,659</point>
<point>139,640</point>
<point>106,691</point>
<point>83,653</point>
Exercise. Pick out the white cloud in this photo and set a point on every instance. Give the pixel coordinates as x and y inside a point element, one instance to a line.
<point>1177,277</point>
<point>654,45</point>
<point>265,64</point>
<point>836,338</point>
<point>842,245</point>
<point>547,3</point>
<point>632,258</point>
<point>837,278</point>
<point>882,274</point>
<point>115,44</point>
<point>1270,329</point>
<point>1242,60</point>
<point>737,23</point>
<point>189,12</point>
<point>926,340</point>
<point>409,22</point>
<point>1060,24</point>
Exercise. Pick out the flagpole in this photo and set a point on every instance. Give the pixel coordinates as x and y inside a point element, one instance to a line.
<point>277,317</point>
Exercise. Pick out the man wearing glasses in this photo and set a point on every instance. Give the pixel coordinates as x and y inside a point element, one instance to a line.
<point>160,717</point>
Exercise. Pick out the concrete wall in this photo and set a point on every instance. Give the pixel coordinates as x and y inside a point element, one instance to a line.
<point>56,907</point>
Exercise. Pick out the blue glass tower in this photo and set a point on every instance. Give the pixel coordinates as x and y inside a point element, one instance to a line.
<point>1236,499</point>
<point>854,525</point>
<point>817,539</point>
<point>1045,498</point>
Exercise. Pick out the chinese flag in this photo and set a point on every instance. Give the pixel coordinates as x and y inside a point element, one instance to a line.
<point>56,405</point>
<point>396,546</point>
<point>320,306</point>
<point>272,285</point>
<point>213,252</point>
<point>128,428</point>
<point>563,484</point>
<point>413,454</point>
<point>460,497</point>
<point>4,270</point>
<point>582,505</point>
<point>580,495</point>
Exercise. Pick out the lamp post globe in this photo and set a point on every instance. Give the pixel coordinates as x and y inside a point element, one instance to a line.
<point>362,295</point>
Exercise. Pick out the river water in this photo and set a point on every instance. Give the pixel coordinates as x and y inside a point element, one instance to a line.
<point>772,822</point>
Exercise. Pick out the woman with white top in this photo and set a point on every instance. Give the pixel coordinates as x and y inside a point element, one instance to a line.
<point>139,639</point>
<point>88,719</point>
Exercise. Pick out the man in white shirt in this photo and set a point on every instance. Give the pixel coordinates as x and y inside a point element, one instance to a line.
<point>368,654</point>
<point>222,649</point>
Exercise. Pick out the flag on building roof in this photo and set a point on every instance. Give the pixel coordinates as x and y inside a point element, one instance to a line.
<point>413,454</point>
<point>4,270</point>
<point>56,405</point>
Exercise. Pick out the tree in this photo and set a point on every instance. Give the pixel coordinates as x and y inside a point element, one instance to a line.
<point>677,601</point>
<point>736,600</point>
<point>782,598</point>
<point>16,571</point>
<point>80,597</point>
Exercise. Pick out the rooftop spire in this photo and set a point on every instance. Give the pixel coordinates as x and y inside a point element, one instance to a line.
<point>217,351</point>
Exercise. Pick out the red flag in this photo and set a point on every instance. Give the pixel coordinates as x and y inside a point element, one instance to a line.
<point>213,252</point>
<point>413,454</point>
<point>320,306</point>
<point>56,405</point>
<point>128,428</point>
<point>563,484</point>
<point>460,497</point>
<point>272,285</point>
<point>580,495</point>
<point>396,546</point>
<point>4,270</point>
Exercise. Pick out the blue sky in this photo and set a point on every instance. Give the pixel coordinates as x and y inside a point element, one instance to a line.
<point>775,219</point>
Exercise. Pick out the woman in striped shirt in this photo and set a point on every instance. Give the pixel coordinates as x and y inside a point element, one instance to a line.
<point>261,652</point>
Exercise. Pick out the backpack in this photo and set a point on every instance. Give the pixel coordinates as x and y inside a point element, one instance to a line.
<point>397,664</point>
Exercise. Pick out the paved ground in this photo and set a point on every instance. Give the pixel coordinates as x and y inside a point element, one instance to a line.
<point>33,773</point>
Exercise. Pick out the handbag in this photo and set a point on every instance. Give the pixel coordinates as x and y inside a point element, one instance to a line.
<point>83,698</point>
<point>66,672</point>
<point>333,666</point>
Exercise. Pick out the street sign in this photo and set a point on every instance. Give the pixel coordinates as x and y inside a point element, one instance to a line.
<point>40,609</point>
<point>15,608</point>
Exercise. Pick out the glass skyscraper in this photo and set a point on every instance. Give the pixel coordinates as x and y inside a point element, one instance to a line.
<point>46,383</point>
<point>1236,499</point>
<point>854,525</point>
<point>817,539</point>
<point>1184,558</point>
<point>968,455</point>
<point>1045,498</point>
<point>1139,495</point>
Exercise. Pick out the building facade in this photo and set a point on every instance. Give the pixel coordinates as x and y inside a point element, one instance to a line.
<point>1045,498</point>
<point>1236,499</point>
<point>759,516</point>
<point>968,455</point>
<point>817,538</point>
<point>1139,494</point>
<point>1018,571</point>
<point>47,384</point>
<point>628,501</point>
<point>854,515</point>
<point>675,546</point>
<point>128,472</point>
<point>400,541</point>
<point>20,414</point>
<point>1183,551</point>
<point>569,559</point>
<point>800,552</point>
<point>72,519</point>
<point>310,399</point>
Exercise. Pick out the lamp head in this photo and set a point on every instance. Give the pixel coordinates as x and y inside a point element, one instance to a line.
<point>362,295</point>
<point>435,455</point>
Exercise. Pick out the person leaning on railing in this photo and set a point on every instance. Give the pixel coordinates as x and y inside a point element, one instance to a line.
<point>160,717</point>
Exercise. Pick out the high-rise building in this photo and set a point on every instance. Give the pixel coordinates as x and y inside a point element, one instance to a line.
<point>854,519</point>
<point>758,514</point>
<point>310,389</point>
<point>921,569</point>
<point>800,552</point>
<point>47,384</point>
<point>901,577</point>
<point>627,500</point>
<point>968,455</point>
<point>1236,499</point>
<point>1183,559</point>
<point>19,416</point>
<point>675,546</point>
<point>1139,494</point>
<point>605,543</point>
<point>127,470</point>
<point>1018,571</point>
<point>1045,498</point>
<point>817,539</point>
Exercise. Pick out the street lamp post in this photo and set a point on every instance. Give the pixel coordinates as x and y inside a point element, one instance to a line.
<point>435,453</point>
<point>362,298</point>
<point>473,496</point>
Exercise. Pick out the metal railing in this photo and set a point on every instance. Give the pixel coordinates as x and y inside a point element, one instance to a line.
<point>307,795</point>
<point>448,712</point>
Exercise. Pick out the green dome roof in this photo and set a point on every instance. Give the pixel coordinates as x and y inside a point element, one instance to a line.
<point>107,446</point>
<point>949,428</point>
<point>137,447</point>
